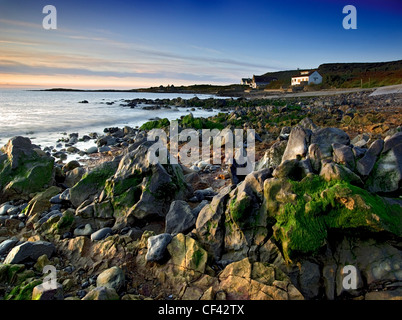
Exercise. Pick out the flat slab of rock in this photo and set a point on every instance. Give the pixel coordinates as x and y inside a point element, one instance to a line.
<point>29,251</point>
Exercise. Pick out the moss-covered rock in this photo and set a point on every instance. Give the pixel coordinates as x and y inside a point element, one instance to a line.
<point>40,202</point>
<point>302,222</point>
<point>92,182</point>
<point>187,254</point>
<point>24,170</point>
<point>24,290</point>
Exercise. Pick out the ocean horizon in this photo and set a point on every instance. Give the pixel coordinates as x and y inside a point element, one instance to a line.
<point>46,116</point>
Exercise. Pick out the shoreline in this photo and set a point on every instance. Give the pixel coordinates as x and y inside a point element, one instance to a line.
<point>145,230</point>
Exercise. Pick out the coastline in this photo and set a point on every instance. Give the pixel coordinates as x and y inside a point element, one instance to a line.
<point>157,227</point>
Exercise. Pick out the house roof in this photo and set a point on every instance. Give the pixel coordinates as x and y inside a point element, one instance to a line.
<point>304,75</point>
<point>263,79</point>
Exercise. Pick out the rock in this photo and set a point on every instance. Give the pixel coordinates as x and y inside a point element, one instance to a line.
<point>187,254</point>
<point>384,295</point>
<point>112,278</point>
<point>273,156</point>
<point>179,219</point>
<point>40,202</point>
<point>44,292</point>
<point>83,230</point>
<point>55,199</point>
<point>309,279</point>
<point>307,123</point>
<point>244,280</point>
<point>392,142</point>
<point>101,234</point>
<point>358,152</point>
<point>245,224</point>
<point>104,149</point>
<point>65,195</point>
<point>71,165</point>
<point>42,261</point>
<point>386,175</point>
<point>205,194</point>
<point>73,176</point>
<point>91,183</point>
<point>24,171</point>
<point>366,164</point>
<point>360,140</point>
<point>135,233</point>
<point>29,250</point>
<point>195,211</point>
<point>4,209</point>
<point>297,145</point>
<point>292,169</point>
<point>142,190</point>
<point>157,246</point>
<point>298,207</point>
<point>343,155</point>
<point>377,262</point>
<point>209,225</point>
<point>7,245</point>
<point>285,132</point>
<point>91,150</point>
<point>324,138</point>
<point>331,171</point>
<point>101,293</point>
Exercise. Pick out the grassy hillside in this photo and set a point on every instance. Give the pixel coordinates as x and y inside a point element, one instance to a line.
<point>349,75</point>
<point>229,90</point>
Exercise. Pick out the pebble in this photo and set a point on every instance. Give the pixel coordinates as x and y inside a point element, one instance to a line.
<point>92,150</point>
<point>4,209</point>
<point>83,230</point>
<point>101,234</point>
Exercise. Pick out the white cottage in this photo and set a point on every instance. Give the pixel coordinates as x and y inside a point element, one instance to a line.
<point>307,77</point>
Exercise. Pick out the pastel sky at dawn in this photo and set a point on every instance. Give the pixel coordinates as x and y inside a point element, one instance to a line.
<point>131,44</point>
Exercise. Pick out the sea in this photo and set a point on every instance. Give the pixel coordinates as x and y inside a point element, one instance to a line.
<point>48,116</point>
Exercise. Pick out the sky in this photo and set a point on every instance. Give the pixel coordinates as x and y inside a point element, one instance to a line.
<point>132,44</point>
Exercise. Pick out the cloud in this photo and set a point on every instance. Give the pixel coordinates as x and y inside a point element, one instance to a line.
<point>11,67</point>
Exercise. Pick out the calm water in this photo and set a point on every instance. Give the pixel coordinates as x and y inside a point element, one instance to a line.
<point>45,116</point>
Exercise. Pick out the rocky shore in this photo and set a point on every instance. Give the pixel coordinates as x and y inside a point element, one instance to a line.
<point>326,193</point>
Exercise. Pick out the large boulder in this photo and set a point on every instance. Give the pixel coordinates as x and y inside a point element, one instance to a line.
<point>210,227</point>
<point>297,145</point>
<point>29,251</point>
<point>92,183</point>
<point>273,156</point>
<point>305,211</point>
<point>180,218</point>
<point>366,164</point>
<point>386,175</point>
<point>24,170</point>
<point>324,138</point>
<point>142,190</point>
